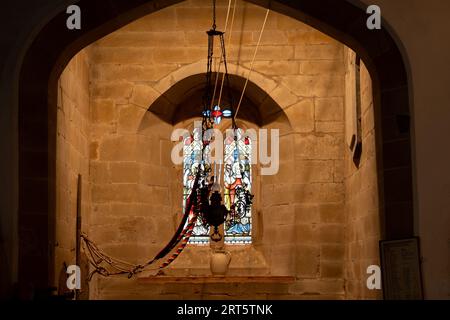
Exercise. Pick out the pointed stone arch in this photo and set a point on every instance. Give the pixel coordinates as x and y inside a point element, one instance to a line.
<point>53,46</point>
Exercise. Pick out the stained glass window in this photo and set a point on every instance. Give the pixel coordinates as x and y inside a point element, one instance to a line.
<point>237,187</point>
<point>237,180</point>
<point>192,160</point>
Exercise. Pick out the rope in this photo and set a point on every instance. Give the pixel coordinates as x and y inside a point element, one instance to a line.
<point>189,204</point>
<point>251,65</point>
<point>117,267</point>
<point>97,257</point>
<point>189,229</point>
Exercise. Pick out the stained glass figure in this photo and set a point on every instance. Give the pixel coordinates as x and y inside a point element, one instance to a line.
<point>192,161</point>
<point>237,192</point>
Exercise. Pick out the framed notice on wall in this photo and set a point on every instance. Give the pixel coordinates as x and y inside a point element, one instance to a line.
<point>400,268</point>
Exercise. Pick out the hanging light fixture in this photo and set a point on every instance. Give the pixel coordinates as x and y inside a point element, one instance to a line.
<point>212,212</point>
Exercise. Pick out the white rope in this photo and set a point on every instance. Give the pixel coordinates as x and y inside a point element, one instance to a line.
<point>251,65</point>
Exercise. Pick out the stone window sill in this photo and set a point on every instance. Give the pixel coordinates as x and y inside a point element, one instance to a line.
<point>216,279</point>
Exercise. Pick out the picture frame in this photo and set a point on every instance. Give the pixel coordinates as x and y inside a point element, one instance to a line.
<point>401,269</point>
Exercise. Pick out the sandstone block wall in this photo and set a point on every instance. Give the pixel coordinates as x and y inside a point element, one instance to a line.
<point>72,158</point>
<point>363,206</point>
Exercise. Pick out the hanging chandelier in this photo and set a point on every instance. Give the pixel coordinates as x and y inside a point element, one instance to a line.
<point>213,213</point>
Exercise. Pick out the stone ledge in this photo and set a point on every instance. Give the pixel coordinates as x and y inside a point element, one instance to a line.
<point>217,279</point>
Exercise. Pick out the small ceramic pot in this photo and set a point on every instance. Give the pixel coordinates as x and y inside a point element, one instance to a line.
<point>220,260</point>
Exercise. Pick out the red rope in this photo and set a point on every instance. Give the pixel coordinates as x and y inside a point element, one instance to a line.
<point>187,232</point>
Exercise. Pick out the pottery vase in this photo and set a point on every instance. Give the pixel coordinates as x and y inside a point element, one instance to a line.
<point>220,260</point>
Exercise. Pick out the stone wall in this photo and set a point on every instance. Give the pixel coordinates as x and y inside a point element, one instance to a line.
<point>72,158</point>
<point>362,201</point>
<point>300,213</point>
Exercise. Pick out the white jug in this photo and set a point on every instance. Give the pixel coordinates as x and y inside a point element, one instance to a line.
<point>220,260</point>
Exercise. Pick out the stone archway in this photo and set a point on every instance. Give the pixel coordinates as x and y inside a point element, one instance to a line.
<point>266,98</point>
<point>54,46</point>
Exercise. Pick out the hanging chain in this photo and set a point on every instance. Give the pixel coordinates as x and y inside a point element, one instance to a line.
<point>214,15</point>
